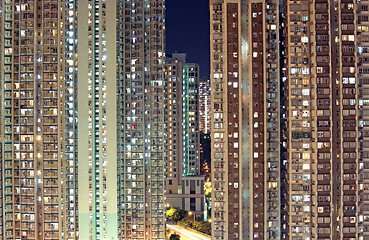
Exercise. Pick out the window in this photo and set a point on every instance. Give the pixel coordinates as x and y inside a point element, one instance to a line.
<point>350,38</point>
<point>304,39</point>
<point>295,70</point>
<point>322,37</point>
<point>306,92</point>
<point>348,80</point>
<point>305,71</point>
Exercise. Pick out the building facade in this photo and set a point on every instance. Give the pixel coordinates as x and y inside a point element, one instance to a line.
<point>38,125</point>
<point>97,118</point>
<point>326,78</point>
<point>183,136</point>
<point>117,189</point>
<point>226,119</point>
<point>303,149</point>
<point>192,195</point>
<point>245,119</point>
<point>174,120</point>
<point>191,133</point>
<point>141,166</point>
<point>204,98</point>
<point>362,91</point>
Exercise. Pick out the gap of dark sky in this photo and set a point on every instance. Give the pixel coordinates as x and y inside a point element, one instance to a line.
<point>187,30</point>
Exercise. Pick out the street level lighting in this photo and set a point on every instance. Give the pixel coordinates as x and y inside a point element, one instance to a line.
<point>190,213</point>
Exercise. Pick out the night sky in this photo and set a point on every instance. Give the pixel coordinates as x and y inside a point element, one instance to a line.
<point>187,29</point>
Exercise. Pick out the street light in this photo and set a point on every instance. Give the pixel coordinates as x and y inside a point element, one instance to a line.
<point>190,213</point>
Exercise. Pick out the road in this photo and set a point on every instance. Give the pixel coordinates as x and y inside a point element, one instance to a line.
<point>187,234</point>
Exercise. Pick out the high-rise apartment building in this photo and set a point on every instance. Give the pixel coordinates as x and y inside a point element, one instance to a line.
<point>190,111</point>
<point>191,133</point>
<point>116,190</point>
<point>184,185</point>
<point>314,185</point>
<point>182,116</point>
<point>204,99</point>
<point>362,91</point>
<point>226,120</point>
<point>174,120</point>
<point>303,125</point>
<point>327,127</point>
<point>38,125</point>
<point>97,120</point>
<point>141,53</point>
<point>245,119</point>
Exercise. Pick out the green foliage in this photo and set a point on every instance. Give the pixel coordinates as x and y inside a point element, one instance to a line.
<point>201,226</point>
<point>175,214</point>
<point>204,227</point>
<point>180,215</point>
<point>174,236</point>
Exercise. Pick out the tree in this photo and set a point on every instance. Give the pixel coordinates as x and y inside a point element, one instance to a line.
<point>201,226</point>
<point>175,214</point>
<point>204,227</point>
<point>174,236</point>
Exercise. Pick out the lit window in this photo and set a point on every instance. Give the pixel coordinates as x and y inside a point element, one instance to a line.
<point>306,113</point>
<point>304,39</point>
<point>295,70</point>
<point>306,156</point>
<point>305,81</point>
